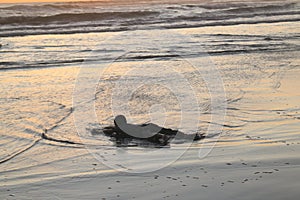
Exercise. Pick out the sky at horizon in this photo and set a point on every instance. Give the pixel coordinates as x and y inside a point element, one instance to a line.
<point>42,1</point>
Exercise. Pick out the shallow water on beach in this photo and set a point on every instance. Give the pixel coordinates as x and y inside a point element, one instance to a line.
<point>258,65</point>
<point>99,16</point>
<point>258,110</point>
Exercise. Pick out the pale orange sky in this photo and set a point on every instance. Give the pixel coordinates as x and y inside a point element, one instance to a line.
<point>116,1</point>
<point>27,1</point>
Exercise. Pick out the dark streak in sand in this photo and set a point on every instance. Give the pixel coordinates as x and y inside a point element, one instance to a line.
<point>44,136</point>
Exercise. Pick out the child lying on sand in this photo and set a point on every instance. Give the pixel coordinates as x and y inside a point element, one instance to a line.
<point>146,132</point>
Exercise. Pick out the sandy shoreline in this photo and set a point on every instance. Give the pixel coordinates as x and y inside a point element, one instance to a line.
<point>224,174</point>
<point>257,157</point>
<point>254,169</point>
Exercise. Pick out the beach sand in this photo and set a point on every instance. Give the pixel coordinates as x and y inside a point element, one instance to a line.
<point>256,158</point>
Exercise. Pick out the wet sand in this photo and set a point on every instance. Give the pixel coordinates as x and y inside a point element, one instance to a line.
<point>256,157</point>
